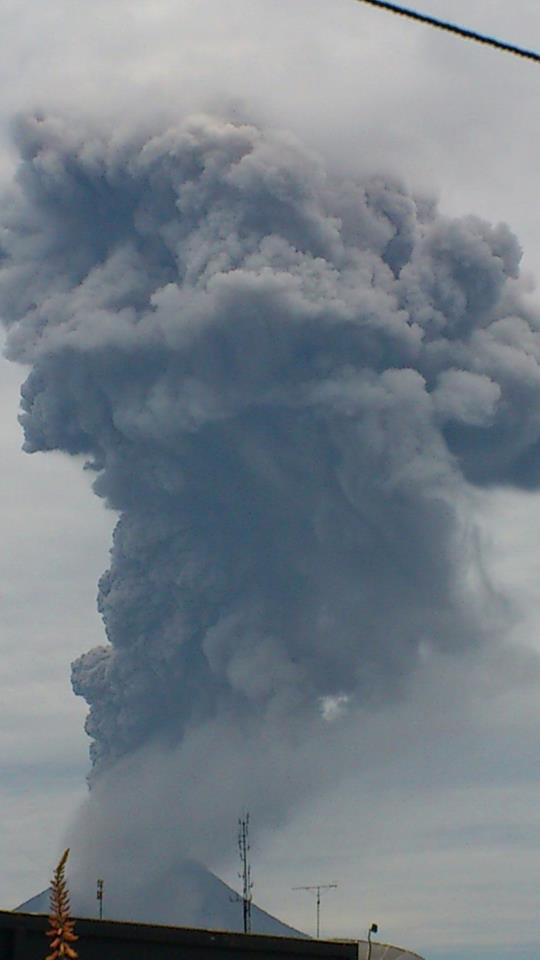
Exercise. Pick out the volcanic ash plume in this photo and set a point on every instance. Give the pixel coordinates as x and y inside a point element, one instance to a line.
<point>284,382</point>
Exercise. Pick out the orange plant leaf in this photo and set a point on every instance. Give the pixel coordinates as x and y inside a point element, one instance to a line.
<point>61,925</point>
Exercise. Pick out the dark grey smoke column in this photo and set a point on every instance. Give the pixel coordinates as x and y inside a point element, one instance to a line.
<point>283,381</point>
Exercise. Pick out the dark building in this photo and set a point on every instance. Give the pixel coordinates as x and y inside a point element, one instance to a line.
<point>22,937</point>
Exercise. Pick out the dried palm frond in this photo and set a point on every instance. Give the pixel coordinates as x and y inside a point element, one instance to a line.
<point>62,927</point>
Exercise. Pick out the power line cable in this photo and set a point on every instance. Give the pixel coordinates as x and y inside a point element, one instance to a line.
<point>454,28</point>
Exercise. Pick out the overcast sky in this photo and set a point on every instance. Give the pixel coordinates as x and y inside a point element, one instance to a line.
<point>439,844</point>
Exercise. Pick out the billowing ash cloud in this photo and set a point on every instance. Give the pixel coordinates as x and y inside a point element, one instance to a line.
<point>284,382</point>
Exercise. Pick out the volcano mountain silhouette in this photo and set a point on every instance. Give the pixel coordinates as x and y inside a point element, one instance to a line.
<point>192,896</point>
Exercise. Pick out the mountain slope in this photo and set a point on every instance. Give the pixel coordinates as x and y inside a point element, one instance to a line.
<point>196,897</point>
<point>192,896</point>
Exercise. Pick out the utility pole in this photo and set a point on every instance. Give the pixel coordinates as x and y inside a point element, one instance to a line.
<point>99,898</point>
<point>317,887</point>
<point>245,875</point>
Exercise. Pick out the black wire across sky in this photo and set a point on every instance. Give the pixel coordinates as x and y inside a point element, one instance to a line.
<point>454,28</point>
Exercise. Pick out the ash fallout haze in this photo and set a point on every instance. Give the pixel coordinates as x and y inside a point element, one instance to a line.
<point>262,278</point>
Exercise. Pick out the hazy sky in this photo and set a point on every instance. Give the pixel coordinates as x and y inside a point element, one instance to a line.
<point>438,841</point>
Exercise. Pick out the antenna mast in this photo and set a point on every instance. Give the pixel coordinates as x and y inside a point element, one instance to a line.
<point>245,875</point>
<point>99,898</point>
<point>317,887</point>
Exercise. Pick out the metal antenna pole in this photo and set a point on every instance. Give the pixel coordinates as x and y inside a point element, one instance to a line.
<point>245,875</point>
<point>317,887</point>
<point>99,898</point>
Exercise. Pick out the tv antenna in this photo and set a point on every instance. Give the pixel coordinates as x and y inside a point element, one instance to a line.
<point>99,898</point>
<point>245,874</point>
<point>317,888</point>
